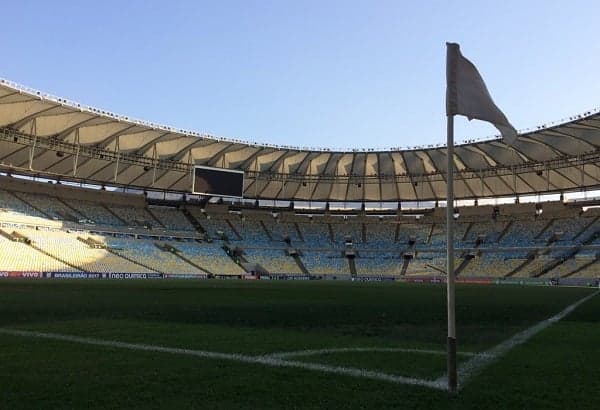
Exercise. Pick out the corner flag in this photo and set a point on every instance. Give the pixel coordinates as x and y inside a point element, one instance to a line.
<point>466,94</point>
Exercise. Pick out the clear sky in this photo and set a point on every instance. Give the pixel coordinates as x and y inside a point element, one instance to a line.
<point>309,73</point>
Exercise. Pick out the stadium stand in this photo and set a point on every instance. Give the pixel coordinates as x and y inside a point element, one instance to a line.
<point>170,218</point>
<point>20,257</point>
<point>134,216</point>
<point>149,253</point>
<point>210,257</point>
<point>316,233</point>
<point>78,230</point>
<point>280,230</point>
<point>13,207</point>
<point>379,263</point>
<point>95,212</point>
<point>51,206</point>
<point>273,260</point>
<point>347,230</point>
<point>325,263</point>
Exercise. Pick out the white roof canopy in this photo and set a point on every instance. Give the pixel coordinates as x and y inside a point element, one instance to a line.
<point>45,135</point>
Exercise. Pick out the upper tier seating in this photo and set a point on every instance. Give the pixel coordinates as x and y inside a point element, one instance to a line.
<point>381,235</point>
<point>10,203</point>
<point>95,212</point>
<point>316,234</point>
<point>214,223</point>
<point>281,230</point>
<point>51,206</point>
<point>171,218</point>
<point>344,230</point>
<point>134,216</point>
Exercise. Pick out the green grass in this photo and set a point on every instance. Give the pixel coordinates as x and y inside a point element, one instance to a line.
<point>558,368</point>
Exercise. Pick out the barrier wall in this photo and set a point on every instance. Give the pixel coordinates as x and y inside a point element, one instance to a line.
<point>581,282</point>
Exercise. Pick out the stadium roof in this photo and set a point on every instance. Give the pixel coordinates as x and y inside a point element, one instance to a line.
<point>49,136</point>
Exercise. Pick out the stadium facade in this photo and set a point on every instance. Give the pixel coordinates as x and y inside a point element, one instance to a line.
<point>62,228</point>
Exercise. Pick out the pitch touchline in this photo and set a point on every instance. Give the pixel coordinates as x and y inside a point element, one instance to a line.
<point>264,360</point>
<point>474,365</point>
<point>314,352</point>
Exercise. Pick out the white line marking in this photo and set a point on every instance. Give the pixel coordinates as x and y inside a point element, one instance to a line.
<point>466,370</point>
<point>314,352</point>
<point>263,360</point>
<point>474,365</point>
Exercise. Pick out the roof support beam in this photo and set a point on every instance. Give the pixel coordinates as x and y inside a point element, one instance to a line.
<point>118,153</point>
<point>76,159</point>
<point>255,155</point>
<point>32,148</point>
<point>18,124</point>
<point>65,133</point>
<point>426,153</point>
<point>9,95</point>
<point>412,182</point>
<point>152,143</point>
<point>574,137</point>
<point>199,142</point>
<point>351,178</point>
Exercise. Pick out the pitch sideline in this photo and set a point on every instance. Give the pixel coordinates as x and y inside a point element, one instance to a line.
<point>263,360</point>
<point>314,352</point>
<point>479,361</point>
<point>466,370</point>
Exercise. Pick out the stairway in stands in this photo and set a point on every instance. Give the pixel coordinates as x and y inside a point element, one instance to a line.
<point>571,254</point>
<point>176,252</point>
<point>352,266</point>
<point>300,264</point>
<point>193,221</point>
<point>466,260</point>
<point>137,262</point>
<point>234,230</point>
<point>530,257</point>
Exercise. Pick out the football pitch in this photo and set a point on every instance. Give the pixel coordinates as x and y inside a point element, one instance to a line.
<point>221,344</point>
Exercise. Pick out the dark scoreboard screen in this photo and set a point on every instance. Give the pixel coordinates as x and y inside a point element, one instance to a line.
<point>218,182</point>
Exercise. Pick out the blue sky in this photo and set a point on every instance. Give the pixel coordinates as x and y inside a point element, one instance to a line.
<point>308,73</point>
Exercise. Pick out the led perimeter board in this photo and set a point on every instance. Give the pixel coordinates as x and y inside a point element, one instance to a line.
<point>218,182</point>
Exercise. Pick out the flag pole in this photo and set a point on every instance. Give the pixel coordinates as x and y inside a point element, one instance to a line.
<point>466,94</point>
<point>451,347</point>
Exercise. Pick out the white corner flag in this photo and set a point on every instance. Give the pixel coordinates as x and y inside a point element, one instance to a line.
<point>466,94</point>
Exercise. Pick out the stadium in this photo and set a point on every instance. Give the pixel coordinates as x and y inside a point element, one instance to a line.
<point>85,191</point>
<point>319,244</point>
<point>155,219</point>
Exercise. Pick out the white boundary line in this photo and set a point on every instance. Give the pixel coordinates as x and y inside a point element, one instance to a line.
<point>478,362</point>
<point>466,371</point>
<point>314,352</point>
<point>263,360</point>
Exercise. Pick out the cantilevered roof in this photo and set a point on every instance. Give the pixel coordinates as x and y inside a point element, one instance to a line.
<point>45,135</point>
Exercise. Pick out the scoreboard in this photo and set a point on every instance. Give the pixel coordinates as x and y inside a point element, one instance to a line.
<point>218,182</point>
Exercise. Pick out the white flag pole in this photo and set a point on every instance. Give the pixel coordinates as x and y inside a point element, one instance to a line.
<point>451,360</point>
<point>466,94</point>
<point>451,54</point>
